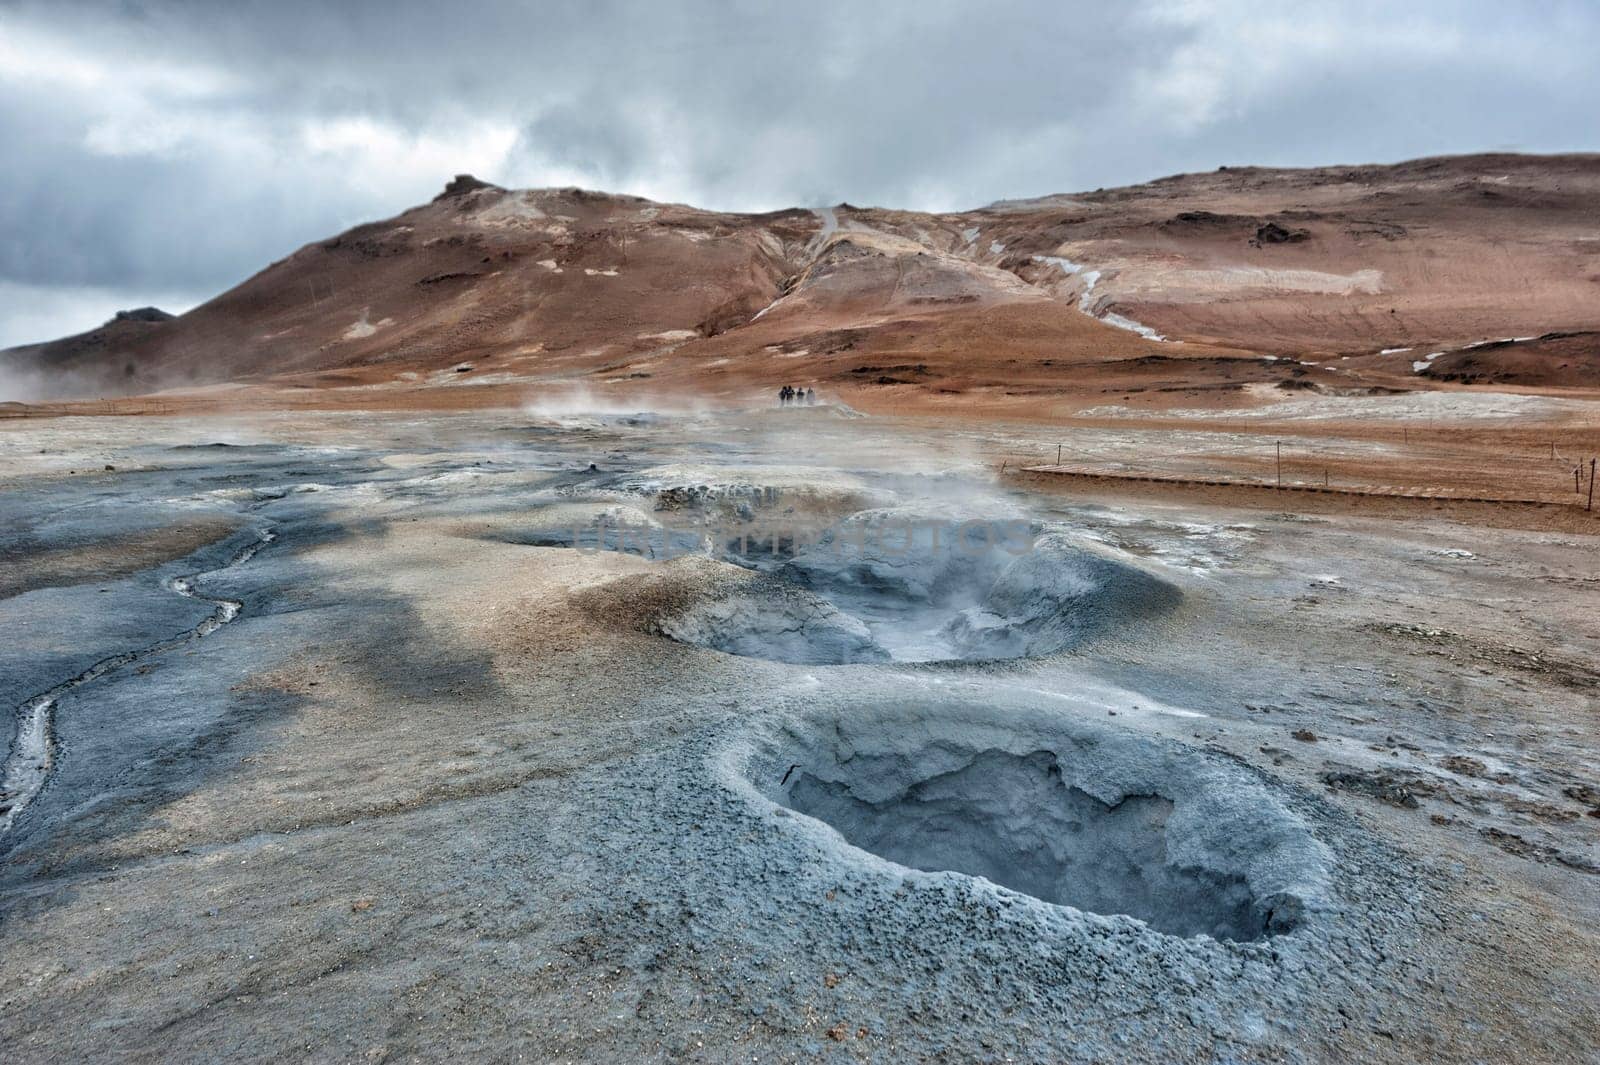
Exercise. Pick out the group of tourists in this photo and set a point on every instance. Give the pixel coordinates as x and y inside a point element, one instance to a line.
<point>800,396</point>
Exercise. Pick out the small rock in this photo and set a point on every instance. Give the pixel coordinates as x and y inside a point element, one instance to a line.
<point>1584,793</point>
<point>1461,765</point>
<point>1304,735</point>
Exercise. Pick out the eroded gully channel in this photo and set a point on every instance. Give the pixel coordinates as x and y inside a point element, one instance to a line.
<point>33,751</point>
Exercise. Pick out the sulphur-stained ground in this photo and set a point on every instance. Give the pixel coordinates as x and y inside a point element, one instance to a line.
<point>334,740</point>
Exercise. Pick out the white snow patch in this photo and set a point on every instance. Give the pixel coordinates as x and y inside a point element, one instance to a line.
<point>1072,269</point>
<point>1502,340</point>
<point>1390,351</point>
<point>1132,326</point>
<point>1067,265</point>
<point>1091,278</point>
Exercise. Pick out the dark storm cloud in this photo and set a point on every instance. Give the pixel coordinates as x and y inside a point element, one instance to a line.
<point>170,148</point>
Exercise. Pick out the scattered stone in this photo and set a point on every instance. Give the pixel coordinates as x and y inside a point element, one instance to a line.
<point>1512,843</point>
<point>1542,810</point>
<point>143,314</point>
<point>1273,233</point>
<point>1304,735</point>
<point>461,186</point>
<point>1464,766</point>
<point>1385,785</point>
<point>1584,793</point>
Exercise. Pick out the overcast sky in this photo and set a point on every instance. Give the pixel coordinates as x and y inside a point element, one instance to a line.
<point>160,152</point>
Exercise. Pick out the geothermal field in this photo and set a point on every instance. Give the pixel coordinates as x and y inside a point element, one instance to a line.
<point>1165,630</point>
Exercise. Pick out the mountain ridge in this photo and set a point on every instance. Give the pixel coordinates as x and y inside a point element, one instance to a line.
<point>1349,263</point>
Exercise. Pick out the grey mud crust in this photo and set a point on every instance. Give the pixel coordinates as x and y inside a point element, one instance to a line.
<point>842,606</point>
<point>1051,805</point>
<point>925,581</point>
<point>437,797</point>
<point>944,965</point>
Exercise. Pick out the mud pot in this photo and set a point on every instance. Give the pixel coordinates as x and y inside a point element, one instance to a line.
<point>1075,815</point>
<point>897,583</point>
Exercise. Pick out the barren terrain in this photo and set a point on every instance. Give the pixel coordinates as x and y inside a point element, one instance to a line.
<point>444,646</point>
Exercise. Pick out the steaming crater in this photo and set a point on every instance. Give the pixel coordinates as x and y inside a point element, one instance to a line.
<point>768,618</point>
<point>1072,814</point>
<point>935,600</point>
<point>892,583</point>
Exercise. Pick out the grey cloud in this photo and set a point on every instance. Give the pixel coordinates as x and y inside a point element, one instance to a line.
<point>177,146</point>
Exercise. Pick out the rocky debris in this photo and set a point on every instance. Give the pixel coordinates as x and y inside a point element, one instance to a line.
<point>1201,220</point>
<point>450,275</point>
<point>1586,794</point>
<point>461,185</point>
<point>1544,811</point>
<point>1304,735</point>
<point>1455,646</point>
<point>143,314</point>
<point>1522,847</point>
<point>1386,785</point>
<point>1463,765</point>
<point>1273,233</point>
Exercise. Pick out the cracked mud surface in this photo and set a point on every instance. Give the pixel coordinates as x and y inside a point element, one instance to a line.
<point>441,791</point>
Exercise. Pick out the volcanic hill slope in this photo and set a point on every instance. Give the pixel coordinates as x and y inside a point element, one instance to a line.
<point>1173,288</point>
